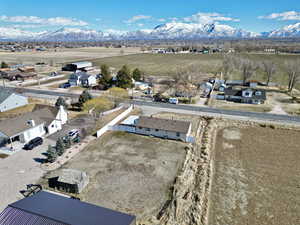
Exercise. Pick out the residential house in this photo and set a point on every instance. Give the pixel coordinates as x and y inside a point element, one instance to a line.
<point>88,80</point>
<point>82,79</point>
<point>246,95</point>
<point>141,85</point>
<point>43,119</point>
<point>157,127</point>
<point>17,75</point>
<point>74,78</point>
<point>56,209</point>
<point>69,180</point>
<point>10,100</point>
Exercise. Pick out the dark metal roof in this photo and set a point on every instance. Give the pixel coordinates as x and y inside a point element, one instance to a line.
<point>239,92</point>
<point>69,211</point>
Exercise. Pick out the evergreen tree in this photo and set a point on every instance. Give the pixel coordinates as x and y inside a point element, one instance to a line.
<point>4,65</point>
<point>68,143</point>
<point>137,74</point>
<point>51,154</point>
<point>61,101</point>
<point>106,79</point>
<point>60,148</point>
<point>124,79</point>
<point>84,97</point>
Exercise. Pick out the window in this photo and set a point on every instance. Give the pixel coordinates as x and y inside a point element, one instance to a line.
<point>177,134</point>
<point>258,93</point>
<point>147,129</point>
<point>156,130</point>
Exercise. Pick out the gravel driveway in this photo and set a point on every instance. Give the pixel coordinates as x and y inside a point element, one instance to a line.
<point>18,170</point>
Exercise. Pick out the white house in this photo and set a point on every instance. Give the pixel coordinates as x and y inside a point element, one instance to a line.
<point>157,127</point>
<point>87,80</point>
<point>43,120</point>
<point>10,100</point>
<point>82,79</point>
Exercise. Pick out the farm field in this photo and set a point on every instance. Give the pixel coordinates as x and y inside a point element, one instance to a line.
<point>162,64</point>
<point>61,56</point>
<point>256,177</point>
<point>166,64</point>
<point>129,173</point>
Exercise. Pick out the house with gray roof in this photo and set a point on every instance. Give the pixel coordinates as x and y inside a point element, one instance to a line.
<point>43,119</point>
<point>10,100</point>
<point>82,79</point>
<point>245,95</point>
<point>158,127</point>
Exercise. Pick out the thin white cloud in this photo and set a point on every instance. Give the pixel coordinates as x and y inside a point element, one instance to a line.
<point>54,21</point>
<point>204,18</point>
<point>140,24</point>
<point>161,20</point>
<point>289,15</point>
<point>138,18</point>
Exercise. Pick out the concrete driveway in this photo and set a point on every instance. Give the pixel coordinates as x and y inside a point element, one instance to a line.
<point>78,123</point>
<point>18,170</point>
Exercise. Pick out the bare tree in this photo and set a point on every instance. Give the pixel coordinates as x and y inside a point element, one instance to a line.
<point>227,65</point>
<point>269,68</point>
<point>293,70</point>
<point>247,67</point>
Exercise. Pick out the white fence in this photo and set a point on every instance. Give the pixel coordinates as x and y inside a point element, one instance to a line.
<point>109,126</point>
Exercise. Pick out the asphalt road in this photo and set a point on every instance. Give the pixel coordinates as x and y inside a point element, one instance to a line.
<point>231,113</point>
<point>43,92</point>
<point>207,110</point>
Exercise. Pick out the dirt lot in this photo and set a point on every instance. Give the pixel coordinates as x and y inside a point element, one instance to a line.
<point>128,172</point>
<point>65,55</point>
<point>256,177</point>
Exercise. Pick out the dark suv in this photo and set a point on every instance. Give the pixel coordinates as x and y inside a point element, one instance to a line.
<point>33,143</point>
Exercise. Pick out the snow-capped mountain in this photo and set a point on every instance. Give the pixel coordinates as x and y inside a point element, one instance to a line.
<point>70,34</point>
<point>194,31</point>
<point>173,30</point>
<point>16,34</point>
<point>287,31</point>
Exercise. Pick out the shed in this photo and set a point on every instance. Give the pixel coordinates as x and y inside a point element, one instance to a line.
<point>69,180</point>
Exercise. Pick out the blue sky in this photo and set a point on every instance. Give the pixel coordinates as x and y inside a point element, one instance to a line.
<point>252,15</point>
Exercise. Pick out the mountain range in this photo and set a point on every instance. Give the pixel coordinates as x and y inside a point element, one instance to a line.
<point>172,31</point>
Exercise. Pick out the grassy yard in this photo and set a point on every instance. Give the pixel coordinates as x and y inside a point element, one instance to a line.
<point>3,156</point>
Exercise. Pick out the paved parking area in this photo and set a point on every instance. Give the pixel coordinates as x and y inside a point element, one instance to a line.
<point>18,170</point>
<point>77,123</point>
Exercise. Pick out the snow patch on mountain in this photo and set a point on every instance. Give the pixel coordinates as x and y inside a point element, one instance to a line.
<point>287,31</point>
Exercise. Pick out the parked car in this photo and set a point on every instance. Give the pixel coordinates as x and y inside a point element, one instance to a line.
<point>73,133</point>
<point>173,100</point>
<point>53,74</point>
<point>33,143</point>
<point>65,85</point>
